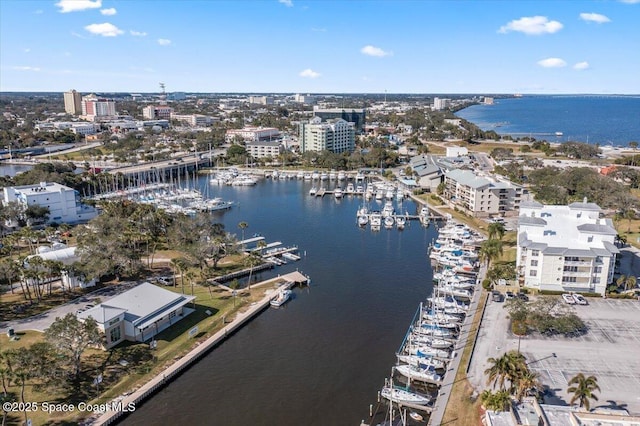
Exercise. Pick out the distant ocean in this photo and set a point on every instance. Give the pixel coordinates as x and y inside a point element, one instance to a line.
<point>601,119</point>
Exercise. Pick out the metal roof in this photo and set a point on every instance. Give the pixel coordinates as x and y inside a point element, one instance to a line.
<point>467,178</point>
<point>597,229</point>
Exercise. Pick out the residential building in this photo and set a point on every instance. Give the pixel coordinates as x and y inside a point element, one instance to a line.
<point>93,106</point>
<point>428,172</point>
<point>63,202</point>
<point>357,116</point>
<point>261,100</point>
<point>457,151</point>
<point>138,314</point>
<point>253,134</point>
<point>67,256</point>
<point>565,248</point>
<point>264,149</point>
<point>154,112</point>
<point>194,120</point>
<point>488,100</point>
<point>73,102</point>
<point>304,99</point>
<point>336,135</point>
<point>441,103</point>
<point>483,196</point>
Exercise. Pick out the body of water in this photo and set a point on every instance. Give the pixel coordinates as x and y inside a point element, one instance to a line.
<point>13,169</point>
<point>322,357</point>
<point>605,120</point>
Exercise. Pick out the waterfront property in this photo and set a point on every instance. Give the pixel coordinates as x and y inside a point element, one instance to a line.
<point>138,314</point>
<point>335,135</point>
<point>63,202</point>
<point>565,248</point>
<point>67,256</point>
<point>482,196</point>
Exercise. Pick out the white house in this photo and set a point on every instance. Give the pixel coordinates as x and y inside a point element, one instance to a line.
<point>63,202</point>
<point>67,256</point>
<point>565,248</point>
<point>138,314</point>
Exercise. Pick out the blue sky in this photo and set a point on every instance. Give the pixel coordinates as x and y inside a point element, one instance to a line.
<point>321,46</point>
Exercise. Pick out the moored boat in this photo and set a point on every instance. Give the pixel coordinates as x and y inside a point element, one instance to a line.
<point>281,298</point>
<point>403,396</point>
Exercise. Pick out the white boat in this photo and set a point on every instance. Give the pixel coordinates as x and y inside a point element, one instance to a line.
<point>427,375</point>
<point>243,180</point>
<point>332,176</point>
<point>341,176</point>
<point>388,222</point>
<point>300,175</point>
<point>389,194</point>
<point>400,222</point>
<point>315,175</point>
<point>306,176</point>
<point>363,219</point>
<point>313,190</point>
<point>420,339</point>
<point>350,189</point>
<point>420,361</point>
<point>403,396</point>
<point>281,298</point>
<point>338,192</point>
<point>387,209</point>
<point>324,176</point>
<point>359,189</point>
<point>379,195</point>
<point>426,351</point>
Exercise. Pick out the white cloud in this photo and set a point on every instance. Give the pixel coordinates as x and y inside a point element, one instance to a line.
<point>109,12</point>
<point>137,33</point>
<point>374,51</point>
<point>105,30</point>
<point>164,42</point>
<point>594,17</point>
<point>27,50</point>
<point>552,63</point>
<point>532,25</point>
<point>309,73</point>
<point>580,66</point>
<point>288,3</point>
<point>78,5</point>
<point>26,68</point>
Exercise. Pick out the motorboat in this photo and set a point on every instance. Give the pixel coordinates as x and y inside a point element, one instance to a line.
<point>427,375</point>
<point>300,175</point>
<point>324,176</point>
<point>363,219</point>
<point>387,209</point>
<point>388,222</point>
<point>315,176</point>
<point>403,396</point>
<point>350,189</point>
<point>313,190</point>
<point>400,222</point>
<point>332,175</point>
<point>338,192</point>
<point>341,176</point>
<point>282,298</point>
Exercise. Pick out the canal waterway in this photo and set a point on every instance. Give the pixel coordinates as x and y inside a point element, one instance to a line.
<point>322,357</point>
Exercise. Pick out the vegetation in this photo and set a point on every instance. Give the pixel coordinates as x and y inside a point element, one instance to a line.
<point>513,378</point>
<point>583,390</point>
<point>546,315</point>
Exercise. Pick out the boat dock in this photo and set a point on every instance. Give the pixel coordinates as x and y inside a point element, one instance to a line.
<point>159,381</point>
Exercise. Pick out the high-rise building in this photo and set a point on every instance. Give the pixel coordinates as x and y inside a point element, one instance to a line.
<point>441,103</point>
<point>154,112</point>
<point>92,106</point>
<point>357,116</point>
<point>72,102</point>
<point>335,135</point>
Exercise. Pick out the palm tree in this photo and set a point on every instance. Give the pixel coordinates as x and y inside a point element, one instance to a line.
<point>583,389</point>
<point>528,380</point>
<point>630,282</point>
<point>496,229</point>
<point>490,250</point>
<point>243,226</point>
<point>511,367</point>
<point>497,373</point>
<point>252,260</point>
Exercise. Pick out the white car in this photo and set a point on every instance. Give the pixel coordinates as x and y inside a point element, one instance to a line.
<point>568,299</point>
<point>579,299</point>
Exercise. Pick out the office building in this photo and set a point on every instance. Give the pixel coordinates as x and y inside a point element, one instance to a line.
<point>93,107</point>
<point>72,102</point>
<point>357,116</point>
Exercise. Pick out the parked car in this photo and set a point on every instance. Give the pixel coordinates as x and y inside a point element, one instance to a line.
<point>165,280</point>
<point>579,299</point>
<point>496,296</point>
<point>568,299</point>
<point>523,297</point>
<point>510,295</point>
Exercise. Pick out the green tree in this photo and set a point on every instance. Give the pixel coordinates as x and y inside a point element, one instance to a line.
<point>496,229</point>
<point>252,260</point>
<point>490,250</point>
<point>243,225</point>
<point>498,401</point>
<point>584,389</point>
<point>72,337</point>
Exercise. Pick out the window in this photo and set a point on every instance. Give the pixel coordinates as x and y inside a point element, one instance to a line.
<point>535,252</point>
<point>590,239</point>
<point>598,259</point>
<point>571,268</point>
<point>597,269</point>
<point>114,334</point>
<point>596,280</point>
<point>172,314</point>
<point>113,321</point>
<point>534,263</point>
<point>568,279</point>
<point>533,273</point>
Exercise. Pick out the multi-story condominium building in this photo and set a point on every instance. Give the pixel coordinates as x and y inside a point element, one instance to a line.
<point>72,102</point>
<point>154,112</point>
<point>253,134</point>
<point>441,103</point>
<point>264,149</point>
<point>63,202</point>
<point>93,107</point>
<point>304,99</point>
<point>336,135</point>
<point>194,120</point>
<point>357,116</point>
<point>261,100</point>
<point>565,248</point>
<point>481,196</point>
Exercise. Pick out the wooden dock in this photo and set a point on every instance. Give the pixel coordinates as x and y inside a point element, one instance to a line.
<point>153,385</point>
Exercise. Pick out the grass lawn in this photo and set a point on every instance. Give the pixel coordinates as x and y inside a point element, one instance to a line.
<point>463,408</point>
<point>129,365</point>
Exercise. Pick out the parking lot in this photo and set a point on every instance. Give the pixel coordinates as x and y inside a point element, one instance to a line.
<point>610,350</point>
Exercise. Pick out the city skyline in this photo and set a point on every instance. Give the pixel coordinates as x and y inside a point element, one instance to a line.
<point>292,46</point>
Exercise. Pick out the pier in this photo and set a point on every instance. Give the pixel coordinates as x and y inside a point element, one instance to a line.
<point>156,383</point>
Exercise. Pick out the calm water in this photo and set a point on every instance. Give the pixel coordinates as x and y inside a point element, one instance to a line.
<point>595,119</point>
<point>321,359</point>
<point>13,169</point>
